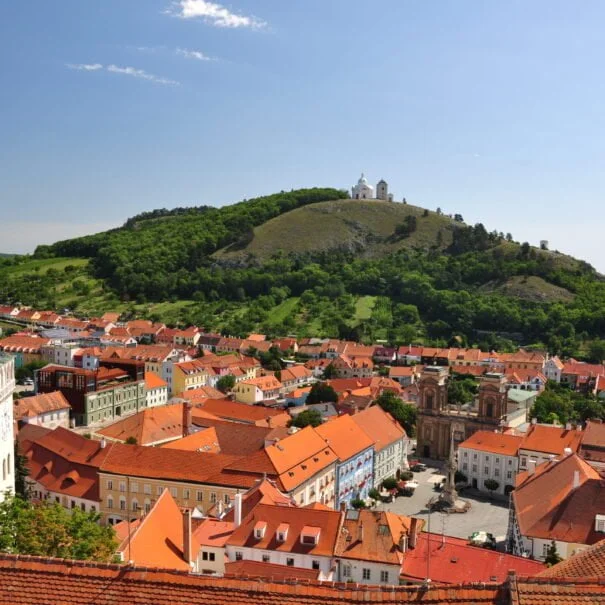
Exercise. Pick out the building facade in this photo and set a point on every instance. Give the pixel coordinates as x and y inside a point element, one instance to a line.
<point>438,420</point>
<point>7,386</point>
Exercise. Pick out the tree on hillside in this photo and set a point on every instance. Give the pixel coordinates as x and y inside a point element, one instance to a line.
<point>461,389</point>
<point>49,530</point>
<point>596,351</point>
<point>321,393</point>
<point>21,473</point>
<point>225,383</point>
<point>306,418</point>
<point>404,413</point>
<point>329,372</point>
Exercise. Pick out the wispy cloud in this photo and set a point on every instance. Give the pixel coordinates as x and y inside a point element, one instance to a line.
<point>85,66</point>
<point>139,73</point>
<point>213,14</point>
<point>198,55</point>
<point>127,71</point>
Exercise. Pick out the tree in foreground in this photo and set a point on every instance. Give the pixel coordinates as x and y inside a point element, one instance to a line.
<point>491,484</point>
<point>404,413</point>
<point>358,503</point>
<point>48,530</point>
<point>225,383</point>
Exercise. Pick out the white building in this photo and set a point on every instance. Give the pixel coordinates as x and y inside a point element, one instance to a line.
<point>60,354</point>
<point>49,410</point>
<point>156,390</point>
<point>553,368</point>
<point>490,456</point>
<point>7,439</point>
<point>390,442</point>
<point>544,442</point>
<point>362,191</point>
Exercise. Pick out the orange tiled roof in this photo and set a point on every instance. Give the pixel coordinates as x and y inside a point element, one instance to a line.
<point>495,443</point>
<point>373,536</point>
<point>295,373</point>
<point>242,412</point>
<point>202,393</point>
<point>40,404</point>
<point>23,344</point>
<point>76,582</point>
<point>271,571</point>
<point>454,560</point>
<point>211,532</point>
<point>549,507</point>
<point>380,426</point>
<point>157,540</point>
<point>590,562</point>
<point>298,520</point>
<point>344,436</point>
<point>205,440</point>
<point>153,381</point>
<point>551,439</point>
<point>264,383</point>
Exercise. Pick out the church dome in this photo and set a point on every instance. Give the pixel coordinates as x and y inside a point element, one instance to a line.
<point>362,180</point>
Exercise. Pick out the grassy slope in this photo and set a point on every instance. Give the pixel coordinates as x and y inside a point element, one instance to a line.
<point>343,224</point>
<point>531,288</point>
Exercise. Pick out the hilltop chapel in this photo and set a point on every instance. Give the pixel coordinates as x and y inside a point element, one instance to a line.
<point>365,191</point>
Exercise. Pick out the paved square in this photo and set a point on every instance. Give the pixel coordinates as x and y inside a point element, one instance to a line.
<point>485,514</point>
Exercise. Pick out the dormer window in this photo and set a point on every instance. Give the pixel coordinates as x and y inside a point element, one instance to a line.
<point>259,529</point>
<point>309,536</point>
<point>282,532</point>
<point>599,523</point>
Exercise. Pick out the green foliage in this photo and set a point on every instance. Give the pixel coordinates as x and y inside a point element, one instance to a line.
<point>461,389</point>
<point>491,484</point>
<point>131,440</point>
<point>389,483</point>
<point>374,494</point>
<point>406,475</point>
<point>329,372</point>
<point>321,393</point>
<point>49,530</point>
<point>306,418</point>
<point>22,488</point>
<point>358,503</point>
<point>404,413</point>
<point>558,404</point>
<point>409,225</point>
<point>596,351</point>
<point>552,556</point>
<point>460,477</point>
<point>225,383</point>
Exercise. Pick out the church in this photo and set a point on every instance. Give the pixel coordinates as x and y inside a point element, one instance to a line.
<point>438,420</point>
<point>364,191</point>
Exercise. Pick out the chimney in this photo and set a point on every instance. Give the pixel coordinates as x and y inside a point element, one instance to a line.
<point>413,532</point>
<point>269,421</point>
<point>343,507</point>
<point>187,536</point>
<point>531,467</point>
<point>403,542</point>
<point>568,426</point>
<point>534,421</point>
<point>576,479</point>
<point>186,420</point>
<point>102,443</point>
<point>360,532</point>
<point>568,451</point>
<point>237,510</point>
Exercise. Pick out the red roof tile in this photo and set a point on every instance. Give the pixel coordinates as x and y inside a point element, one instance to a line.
<point>495,443</point>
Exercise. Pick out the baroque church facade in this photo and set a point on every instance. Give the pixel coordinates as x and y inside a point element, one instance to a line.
<point>438,421</point>
<point>364,191</point>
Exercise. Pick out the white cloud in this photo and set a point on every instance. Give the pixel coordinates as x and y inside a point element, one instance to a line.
<point>213,14</point>
<point>85,66</point>
<point>194,54</point>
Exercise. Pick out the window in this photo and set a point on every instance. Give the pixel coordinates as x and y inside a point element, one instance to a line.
<point>186,494</point>
<point>210,556</point>
<point>158,490</point>
<point>475,456</point>
<point>523,460</point>
<point>122,486</point>
<point>174,492</point>
<point>497,461</point>
<point>464,466</point>
<point>266,558</point>
<point>486,470</point>
<point>198,496</point>
<point>238,555</point>
<point>384,576</point>
<point>366,573</point>
<point>509,474</point>
<point>122,504</point>
<point>290,561</point>
<point>497,472</point>
<point>213,497</point>
<point>346,571</point>
<point>109,484</point>
<point>545,548</point>
<point>110,502</point>
<point>474,468</point>
<point>134,505</point>
<point>315,564</point>
<point>134,487</point>
<point>465,454</point>
<point>147,506</point>
<point>147,489</point>
<point>227,499</point>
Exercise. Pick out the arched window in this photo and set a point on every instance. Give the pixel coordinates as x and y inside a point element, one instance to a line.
<point>429,400</point>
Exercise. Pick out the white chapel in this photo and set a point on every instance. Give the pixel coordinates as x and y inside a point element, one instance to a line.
<point>364,191</point>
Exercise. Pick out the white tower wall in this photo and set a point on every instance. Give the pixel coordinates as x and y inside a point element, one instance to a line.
<point>7,462</point>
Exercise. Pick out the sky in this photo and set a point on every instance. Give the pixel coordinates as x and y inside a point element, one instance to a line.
<point>493,110</point>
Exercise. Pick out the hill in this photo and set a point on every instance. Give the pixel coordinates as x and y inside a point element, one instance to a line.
<point>365,226</point>
<point>314,263</point>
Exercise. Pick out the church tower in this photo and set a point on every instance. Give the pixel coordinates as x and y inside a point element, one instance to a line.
<point>492,398</point>
<point>382,190</point>
<point>432,390</point>
<point>362,191</point>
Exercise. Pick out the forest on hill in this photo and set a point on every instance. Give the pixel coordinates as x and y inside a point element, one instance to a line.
<point>400,274</point>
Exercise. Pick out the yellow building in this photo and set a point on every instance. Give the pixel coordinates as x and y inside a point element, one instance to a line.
<point>189,375</point>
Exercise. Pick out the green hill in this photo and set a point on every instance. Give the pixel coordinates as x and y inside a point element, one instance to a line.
<point>366,226</point>
<point>312,262</point>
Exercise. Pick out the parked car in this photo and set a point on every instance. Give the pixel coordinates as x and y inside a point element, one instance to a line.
<point>418,467</point>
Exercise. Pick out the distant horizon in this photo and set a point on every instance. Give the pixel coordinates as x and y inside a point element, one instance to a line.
<point>489,110</point>
<point>80,230</point>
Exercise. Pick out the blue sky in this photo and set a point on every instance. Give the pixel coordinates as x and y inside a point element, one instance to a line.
<point>493,110</point>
